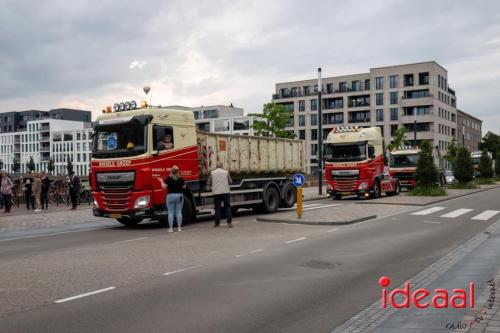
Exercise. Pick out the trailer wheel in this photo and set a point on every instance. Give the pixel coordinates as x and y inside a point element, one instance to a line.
<point>129,221</point>
<point>271,200</point>
<point>376,190</point>
<point>289,196</point>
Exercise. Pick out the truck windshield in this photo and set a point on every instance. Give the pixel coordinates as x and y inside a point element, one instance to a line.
<point>119,141</point>
<point>350,152</point>
<point>398,161</point>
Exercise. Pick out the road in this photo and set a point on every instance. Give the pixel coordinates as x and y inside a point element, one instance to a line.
<point>255,277</point>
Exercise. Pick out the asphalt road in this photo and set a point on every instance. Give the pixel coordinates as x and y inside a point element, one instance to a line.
<point>256,277</point>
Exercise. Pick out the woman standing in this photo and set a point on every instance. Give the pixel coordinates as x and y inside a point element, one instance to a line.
<point>6,189</point>
<point>175,186</point>
<point>45,191</point>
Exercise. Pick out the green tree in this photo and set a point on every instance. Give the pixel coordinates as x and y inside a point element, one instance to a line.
<point>451,154</point>
<point>275,118</point>
<point>426,173</point>
<point>69,166</point>
<point>398,139</point>
<point>497,164</point>
<point>31,165</point>
<point>50,165</point>
<point>491,143</point>
<point>485,168</point>
<point>463,169</point>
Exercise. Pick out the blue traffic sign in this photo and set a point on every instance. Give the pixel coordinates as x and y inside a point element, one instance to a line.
<point>298,180</point>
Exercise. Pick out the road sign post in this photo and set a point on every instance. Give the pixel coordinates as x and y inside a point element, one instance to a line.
<point>298,180</point>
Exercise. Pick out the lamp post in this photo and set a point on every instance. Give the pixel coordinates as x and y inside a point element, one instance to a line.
<point>320,138</point>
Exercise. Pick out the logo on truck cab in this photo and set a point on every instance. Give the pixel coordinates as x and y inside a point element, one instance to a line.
<point>118,163</point>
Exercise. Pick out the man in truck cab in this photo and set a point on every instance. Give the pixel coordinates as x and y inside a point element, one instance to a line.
<point>166,143</point>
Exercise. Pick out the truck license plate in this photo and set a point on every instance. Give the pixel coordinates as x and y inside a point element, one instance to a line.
<point>116,216</point>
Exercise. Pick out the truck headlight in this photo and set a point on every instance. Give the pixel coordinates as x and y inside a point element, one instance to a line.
<point>363,186</point>
<point>95,203</point>
<point>142,202</point>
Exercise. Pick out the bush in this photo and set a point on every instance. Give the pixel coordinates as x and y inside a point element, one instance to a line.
<point>485,168</point>
<point>428,191</point>
<point>484,181</point>
<point>463,186</point>
<point>463,169</point>
<point>426,174</point>
<point>497,164</point>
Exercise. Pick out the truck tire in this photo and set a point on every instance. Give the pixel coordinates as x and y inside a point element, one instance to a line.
<point>129,221</point>
<point>396,191</point>
<point>289,196</point>
<point>376,190</point>
<point>337,196</point>
<point>271,200</point>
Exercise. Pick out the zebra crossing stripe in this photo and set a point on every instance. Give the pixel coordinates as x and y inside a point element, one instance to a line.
<point>322,206</point>
<point>486,215</point>
<point>457,213</point>
<point>428,211</point>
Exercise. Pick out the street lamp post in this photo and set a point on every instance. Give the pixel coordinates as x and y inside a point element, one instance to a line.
<point>320,136</point>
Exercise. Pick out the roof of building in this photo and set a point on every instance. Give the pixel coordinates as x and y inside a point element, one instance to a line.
<point>467,115</point>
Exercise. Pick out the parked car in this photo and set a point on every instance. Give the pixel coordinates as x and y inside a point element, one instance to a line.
<point>450,178</point>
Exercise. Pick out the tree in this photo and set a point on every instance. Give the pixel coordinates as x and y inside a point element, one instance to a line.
<point>497,164</point>
<point>31,165</point>
<point>50,165</point>
<point>276,118</point>
<point>398,139</point>
<point>463,169</point>
<point>69,166</point>
<point>485,168</point>
<point>491,143</point>
<point>451,154</point>
<point>426,174</point>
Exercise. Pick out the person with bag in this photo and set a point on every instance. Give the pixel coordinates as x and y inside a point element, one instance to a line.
<point>44,199</point>
<point>6,189</point>
<point>220,181</point>
<point>175,199</point>
<point>74,189</point>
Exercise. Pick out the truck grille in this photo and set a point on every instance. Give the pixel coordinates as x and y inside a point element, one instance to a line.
<point>404,175</point>
<point>345,183</point>
<point>116,199</point>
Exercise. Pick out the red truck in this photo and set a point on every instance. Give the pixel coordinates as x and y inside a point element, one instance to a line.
<point>354,164</point>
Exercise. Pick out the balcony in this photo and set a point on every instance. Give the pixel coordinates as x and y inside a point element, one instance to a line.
<point>422,118</point>
<point>44,128</point>
<point>417,101</point>
<point>45,149</point>
<point>45,158</point>
<point>45,138</point>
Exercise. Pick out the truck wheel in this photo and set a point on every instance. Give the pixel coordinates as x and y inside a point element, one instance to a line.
<point>376,190</point>
<point>289,196</point>
<point>337,196</point>
<point>271,200</point>
<point>129,221</point>
<point>396,191</point>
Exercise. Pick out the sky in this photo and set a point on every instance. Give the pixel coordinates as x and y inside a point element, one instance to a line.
<point>90,54</point>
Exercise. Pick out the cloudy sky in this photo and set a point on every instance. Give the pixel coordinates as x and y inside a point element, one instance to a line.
<point>89,54</point>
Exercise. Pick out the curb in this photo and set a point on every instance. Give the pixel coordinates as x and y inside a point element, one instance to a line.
<point>429,203</point>
<point>301,222</point>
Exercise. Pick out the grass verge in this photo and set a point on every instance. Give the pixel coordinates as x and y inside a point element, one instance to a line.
<point>425,191</point>
<point>463,186</point>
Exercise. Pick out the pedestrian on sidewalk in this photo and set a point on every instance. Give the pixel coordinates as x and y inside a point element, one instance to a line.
<point>6,190</point>
<point>175,199</point>
<point>1,195</point>
<point>37,191</point>
<point>220,180</point>
<point>28,191</point>
<point>74,189</point>
<point>45,191</point>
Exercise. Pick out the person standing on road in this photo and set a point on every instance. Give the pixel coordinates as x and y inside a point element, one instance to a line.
<point>28,191</point>
<point>220,180</point>
<point>45,191</point>
<point>175,199</point>
<point>74,189</point>
<point>37,191</point>
<point>6,190</point>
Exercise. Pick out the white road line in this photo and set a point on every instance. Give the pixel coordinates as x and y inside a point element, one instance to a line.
<point>84,295</point>
<point>322,206</point>
<point>486,215</point>
<point>295,207</point>
<point>428,211</point>
<point>432,222</point>
<point>246,253</point>
<point>132,240</point>
<point>296,240</point>
<point>457,213</point>
<point>180,270</point>
<point>332,230</point>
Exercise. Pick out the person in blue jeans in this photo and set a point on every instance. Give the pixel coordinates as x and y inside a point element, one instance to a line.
<point>175,186</point>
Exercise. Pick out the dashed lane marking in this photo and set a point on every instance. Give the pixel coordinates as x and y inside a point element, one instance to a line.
<point>250,252</point>
<point>180,270</point>
<point>296,240</point>
<point>432,222</point>
<point>84,295</point>
<point>332,230</point>
<point>132,240</point>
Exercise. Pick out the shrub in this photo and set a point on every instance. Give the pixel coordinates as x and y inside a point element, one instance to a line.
<point>485,168</point>
<point>463,169</point>
<point>428,191</point>
<point>426,174</point>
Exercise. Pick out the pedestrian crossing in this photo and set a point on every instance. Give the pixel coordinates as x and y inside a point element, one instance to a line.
<point>444,212</point>
<point>309,207</point>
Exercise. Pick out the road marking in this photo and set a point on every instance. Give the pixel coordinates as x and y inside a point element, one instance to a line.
<point>295,207</point>
<point>428,211</point>
<point>84,295</point>
<point>432,222</point>
<point>332,230</point>
<point>132,240</point>
<point>180,270</point>
<point>322,206</point>
<point>246,253</point>
<point>296,240</point>
<point>486,215</point>
<point>457,213</point>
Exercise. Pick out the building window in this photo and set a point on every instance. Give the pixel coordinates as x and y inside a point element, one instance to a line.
<point>380,115</point>
<point>423,78</point>
<point>221,125</point>
<point>302,105</point>
<point>307,90</point>
<point>302,134</point>
<point>302,120</point>
<point>289,106</point>
<point>408,80</point>
<point>333,103</point>
<point>379,98</point>
<point>314,119</point>
<point>314,149</point>
<point>379,82</point>
<point>343,86</point>
<point>417,93</point>
<point>394,128</point>
<point>367,84</point>
<point>393,81</point>
<point>314,134</point>
<point>356,85</point>
<point>439,81</point>
<point>329,88</point>
<point>207,114</point>
<point>394,114</point>
<point>333,118</point>
<point>394,97</point>
<point>314,104</point>
<point>359,116</point>
<point>357,101</point>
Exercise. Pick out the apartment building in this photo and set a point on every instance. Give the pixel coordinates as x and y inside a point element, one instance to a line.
<point>415,96</point>
<point>469,131</point>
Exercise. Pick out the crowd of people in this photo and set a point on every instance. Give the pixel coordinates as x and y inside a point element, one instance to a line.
<point>35,188</point>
